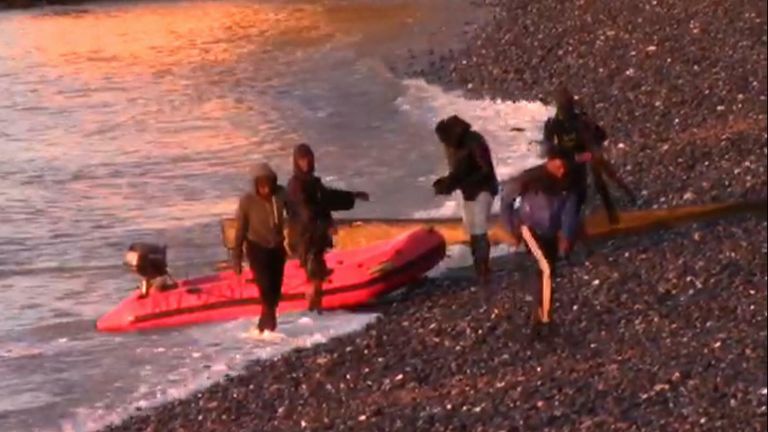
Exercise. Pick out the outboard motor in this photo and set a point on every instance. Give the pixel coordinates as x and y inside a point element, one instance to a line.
<point>228,232</point>
<point>149,261</point>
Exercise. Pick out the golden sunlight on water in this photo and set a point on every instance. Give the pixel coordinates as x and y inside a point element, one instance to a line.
<point>125,41</point>
<point>111,62</point>
<point>158,36</point>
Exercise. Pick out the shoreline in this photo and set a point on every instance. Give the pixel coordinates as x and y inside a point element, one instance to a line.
<point>661,332</point>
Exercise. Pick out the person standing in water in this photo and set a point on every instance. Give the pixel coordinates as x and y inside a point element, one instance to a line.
<point>260,216</point>
<point>311,224</point>
<point>470,171</point>
<point>577,137</point>
<point>533,207</point>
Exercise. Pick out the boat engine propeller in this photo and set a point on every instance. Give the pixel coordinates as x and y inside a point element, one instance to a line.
<point>150,262</point>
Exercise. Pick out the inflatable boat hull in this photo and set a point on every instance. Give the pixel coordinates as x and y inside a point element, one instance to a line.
<point>359,276</point>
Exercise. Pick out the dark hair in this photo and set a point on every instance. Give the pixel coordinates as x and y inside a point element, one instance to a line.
<point>303,151</point>
<point>451,129</point>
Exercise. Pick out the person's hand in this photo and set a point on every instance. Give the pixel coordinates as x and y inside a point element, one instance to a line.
<point>441,186</point>
<point>237,268</point>
<point>362,196</point>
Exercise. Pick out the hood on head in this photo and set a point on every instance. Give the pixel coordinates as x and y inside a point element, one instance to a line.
<point>261,171</point>
<point>303,151</point>
<point>451,129</point>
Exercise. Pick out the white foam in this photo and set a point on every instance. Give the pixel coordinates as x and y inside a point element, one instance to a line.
<point>509,127</point>
<point>229,347</point>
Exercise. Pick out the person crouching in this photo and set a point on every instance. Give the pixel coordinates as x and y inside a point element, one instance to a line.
<point>471,172</point>
<point>260,216</point>
<point>533,206</point>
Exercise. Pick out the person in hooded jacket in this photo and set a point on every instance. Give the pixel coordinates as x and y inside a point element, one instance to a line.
<point>471,171</point>
<point>534,207</point>
<point>311,224</point>
<point>260,219</point>
<point>573,134</point>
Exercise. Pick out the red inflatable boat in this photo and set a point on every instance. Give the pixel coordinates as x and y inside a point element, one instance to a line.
<point>358,276</point>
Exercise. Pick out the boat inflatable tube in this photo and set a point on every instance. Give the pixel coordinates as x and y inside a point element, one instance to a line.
<point>359,276</point>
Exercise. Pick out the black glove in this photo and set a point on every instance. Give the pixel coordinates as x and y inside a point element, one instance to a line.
<point>441,186</point>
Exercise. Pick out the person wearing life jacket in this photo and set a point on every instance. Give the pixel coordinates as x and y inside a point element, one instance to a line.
<point>472,173</point>
<point>576,136</point>
<point>533,208</point>
<point>260,219</point>
<point>310,228</point>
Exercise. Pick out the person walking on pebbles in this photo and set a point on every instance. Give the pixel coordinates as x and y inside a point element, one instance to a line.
<point>577,137</point>
<point>533,207</point>
<point>471,171</point>
<point>310,222</point>
<point>260,215</point>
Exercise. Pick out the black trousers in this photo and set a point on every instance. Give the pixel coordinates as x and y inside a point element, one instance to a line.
<point>268,266</point>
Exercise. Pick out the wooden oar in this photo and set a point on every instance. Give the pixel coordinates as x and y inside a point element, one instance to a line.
<point>354,233</point>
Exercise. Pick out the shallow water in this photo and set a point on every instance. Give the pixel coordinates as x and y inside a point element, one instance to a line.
<point>125,122</point>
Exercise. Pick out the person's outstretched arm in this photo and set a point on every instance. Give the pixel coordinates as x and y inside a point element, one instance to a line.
<point>340,199</point>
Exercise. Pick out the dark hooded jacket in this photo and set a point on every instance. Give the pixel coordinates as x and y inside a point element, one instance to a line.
<point>469,159</point>
<point>571,131</point>
<point>310,219</point>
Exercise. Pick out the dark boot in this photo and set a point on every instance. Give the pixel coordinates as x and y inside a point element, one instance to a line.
<point>262,325</point>
<point>271,319</point>
<point>481,256</point>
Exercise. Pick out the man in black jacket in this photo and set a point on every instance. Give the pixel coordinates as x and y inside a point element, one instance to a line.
<point>260,216</point>
<point>576,136</point>
<point>310,220</point>
<point>471,172</point>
